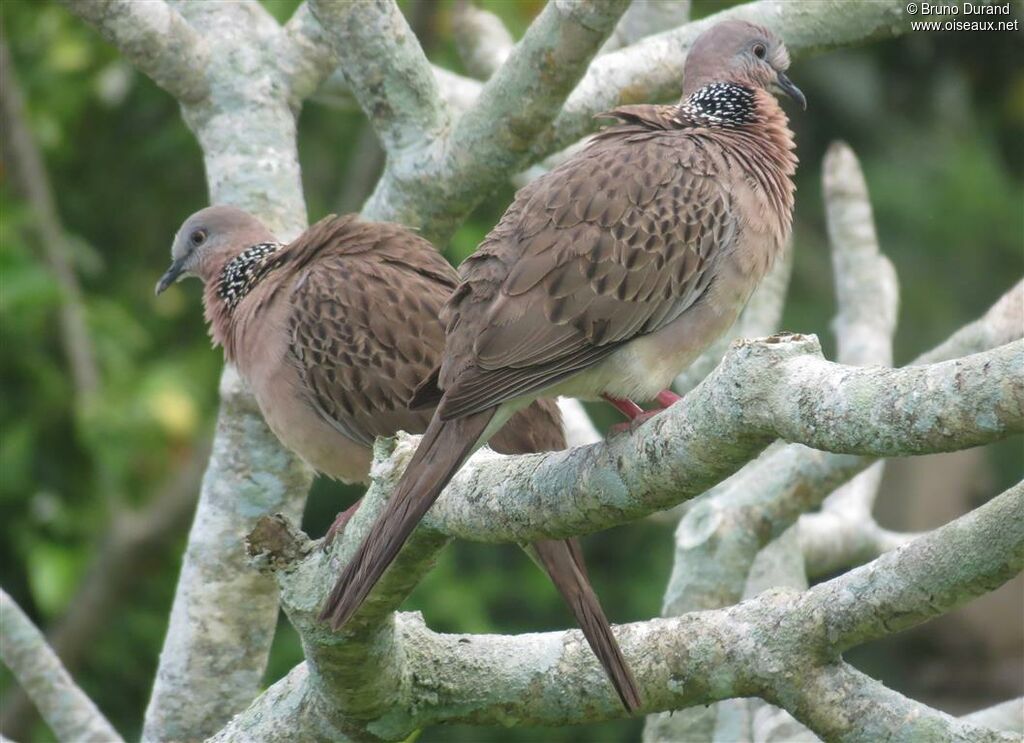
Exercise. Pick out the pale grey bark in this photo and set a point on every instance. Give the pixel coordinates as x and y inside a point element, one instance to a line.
<point>221,60</point>
<point>434,188</point>
<point>1008,716</point>
<point>782,645</point>
<point>386,70</point>
<point>155,38</point>
<point>70,714</point>
<point>481,38</point>
<point>647,17</point>
<point>652,68</point>
<point>763,390</point>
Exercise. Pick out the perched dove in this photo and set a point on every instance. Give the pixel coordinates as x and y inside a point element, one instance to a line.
<point>333,332</point>
<point>607,276</point>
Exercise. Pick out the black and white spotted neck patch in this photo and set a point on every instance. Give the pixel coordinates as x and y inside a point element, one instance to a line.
<point>244,271</point>
<point>718,105</point>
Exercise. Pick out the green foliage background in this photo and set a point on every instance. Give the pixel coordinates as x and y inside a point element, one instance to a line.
<point>938,120</point>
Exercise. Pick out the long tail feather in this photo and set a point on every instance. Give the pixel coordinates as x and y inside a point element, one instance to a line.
<point>563,562</point>
<point>444,447</point>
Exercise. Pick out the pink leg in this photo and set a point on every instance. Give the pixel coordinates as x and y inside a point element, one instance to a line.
<point>339,523</point>
<point>627,407</point>
<point>667,397</point>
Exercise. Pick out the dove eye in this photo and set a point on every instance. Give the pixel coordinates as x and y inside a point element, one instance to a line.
<point>197,238</point>
<point>760,51</point>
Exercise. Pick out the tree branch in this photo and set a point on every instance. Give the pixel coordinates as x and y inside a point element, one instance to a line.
<point>433,191</point>
<point>763,390</point>
<point>481,38</point>
<point>867,290</point>
<point>386,69</point>
<point>155,38</point>
<point>766,646</point>
<point>645,18</point>
<point>1008,716</point>
<point>651,69</point>
<point>70,714</point>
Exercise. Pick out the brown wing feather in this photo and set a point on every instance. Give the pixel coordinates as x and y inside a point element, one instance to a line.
<point>614,244</point>
<point>363,326</point>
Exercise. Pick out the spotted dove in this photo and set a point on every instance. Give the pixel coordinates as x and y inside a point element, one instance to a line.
<point>608,275</point>
<point>333,332</point>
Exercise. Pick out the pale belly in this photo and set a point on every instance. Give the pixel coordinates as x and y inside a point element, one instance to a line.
<point>647,365</point>
<point>318,444</point>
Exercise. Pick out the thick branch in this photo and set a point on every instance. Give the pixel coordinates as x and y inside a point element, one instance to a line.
<point>1008,716</point>
<point>155,38</point>
<point>867,291</point>
<point>481,38</point>
<point>493,138</point>
<point>225,613</point>
<point>70,714</point>
<point>768,646</point>
<point>763,390</point>
<point>386,69</point>
<point>971,556</point>
<point>652,68</point>
<point>645,18</point>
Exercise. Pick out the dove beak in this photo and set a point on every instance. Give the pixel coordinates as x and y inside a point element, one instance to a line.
<point>175,273</point>
<point>786,86</point>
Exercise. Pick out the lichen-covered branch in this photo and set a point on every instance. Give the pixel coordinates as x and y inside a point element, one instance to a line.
<point>768,646</point>
<point>70,714</point>
<point>867,291</point>
<point>386,70</point>
<point>155,38</point>
<point>224,612</point>
<point>1008,716</point>
<point>434,191</point>
<point>644,18</point>
<point>481,38</point>
<point>763,390</point>
<point>652,68</point>
<point>1001,324</point>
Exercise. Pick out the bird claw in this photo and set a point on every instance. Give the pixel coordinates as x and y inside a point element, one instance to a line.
<point>665,399</point>
<point>617,429</point>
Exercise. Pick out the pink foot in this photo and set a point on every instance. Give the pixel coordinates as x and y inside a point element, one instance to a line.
<point>666,398</point>
<point>634,423</point>
<point>627,407</point>
<point>339,524</point>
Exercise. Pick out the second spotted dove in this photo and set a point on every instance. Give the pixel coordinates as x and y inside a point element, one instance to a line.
<point>333,332</point>
<point>608,275</point>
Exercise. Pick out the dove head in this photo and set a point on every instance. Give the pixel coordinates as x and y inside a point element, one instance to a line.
<point>211,239</point>
<point>739,53</point>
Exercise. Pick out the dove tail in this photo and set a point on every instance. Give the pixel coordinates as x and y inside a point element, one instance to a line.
<point>445,445</point>
<point>563,562</point>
